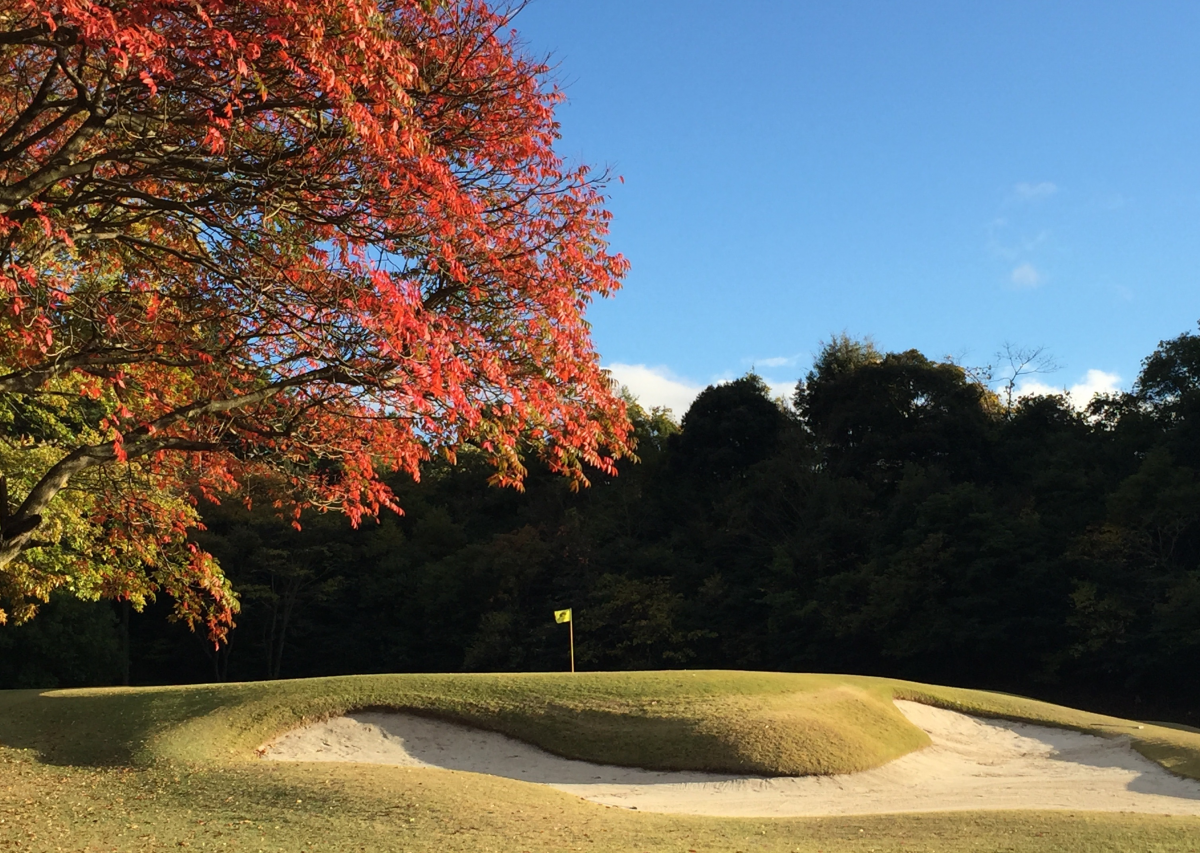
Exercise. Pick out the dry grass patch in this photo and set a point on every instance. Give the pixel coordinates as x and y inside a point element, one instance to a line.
<point>342,808</point>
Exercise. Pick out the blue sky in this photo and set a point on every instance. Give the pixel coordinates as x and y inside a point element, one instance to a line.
<point>941,176</point>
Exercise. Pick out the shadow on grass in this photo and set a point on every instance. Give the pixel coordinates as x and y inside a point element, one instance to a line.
<point>97,728</point>
<point>386,736</point>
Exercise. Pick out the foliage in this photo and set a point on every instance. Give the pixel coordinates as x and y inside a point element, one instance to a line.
<point>728,428</point>
<point>292,242</point>
<point>112,533</point>
<point>898,409</point>
<point>839,356</point>
<point>1035,549</point>
<point>72,643</point>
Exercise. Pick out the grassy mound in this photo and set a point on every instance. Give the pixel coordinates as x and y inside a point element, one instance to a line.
<point>745,722</point>
<point>169,767</point>
<point>768,723</point>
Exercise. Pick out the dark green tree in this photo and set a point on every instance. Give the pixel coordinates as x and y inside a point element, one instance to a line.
<point>873,415</point>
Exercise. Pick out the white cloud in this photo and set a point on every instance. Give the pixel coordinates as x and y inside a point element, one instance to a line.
<point>660,386</point>
<point>1080,394</point>
<point>1032,192</point>
<point>656,386</point>
<point>1027,275</point>
<point>785,389</point>
<point>776,361</point>
<point>1003,243</point>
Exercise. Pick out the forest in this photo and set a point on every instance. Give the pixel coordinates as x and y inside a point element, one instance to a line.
<point>897,516</point>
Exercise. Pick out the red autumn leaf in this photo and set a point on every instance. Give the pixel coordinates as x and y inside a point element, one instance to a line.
<point>304,237</point>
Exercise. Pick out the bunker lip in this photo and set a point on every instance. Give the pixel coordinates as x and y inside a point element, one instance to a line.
<point>973,764</point>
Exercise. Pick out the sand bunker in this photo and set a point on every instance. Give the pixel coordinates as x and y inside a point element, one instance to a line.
<point>973,763</point>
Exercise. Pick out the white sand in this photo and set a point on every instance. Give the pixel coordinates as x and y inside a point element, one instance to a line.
<point>973,763</point>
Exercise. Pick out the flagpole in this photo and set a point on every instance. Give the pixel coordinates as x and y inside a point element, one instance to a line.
<point>567,616</point>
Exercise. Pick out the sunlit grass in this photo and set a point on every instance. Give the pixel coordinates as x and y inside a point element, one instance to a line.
<point>159,768</point>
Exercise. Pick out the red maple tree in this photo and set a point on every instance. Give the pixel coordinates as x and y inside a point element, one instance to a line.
<point>303,241</point>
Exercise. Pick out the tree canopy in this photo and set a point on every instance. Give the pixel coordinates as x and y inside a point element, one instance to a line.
<point>1035,548</point>
<point>287,241</point>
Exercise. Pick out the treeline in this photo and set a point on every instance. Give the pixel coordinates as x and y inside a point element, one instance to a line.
<point>897,517</point>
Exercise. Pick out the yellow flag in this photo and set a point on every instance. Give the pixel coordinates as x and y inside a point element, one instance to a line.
<point>562,615</point>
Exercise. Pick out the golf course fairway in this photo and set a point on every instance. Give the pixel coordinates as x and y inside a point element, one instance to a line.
<point>171,767</point>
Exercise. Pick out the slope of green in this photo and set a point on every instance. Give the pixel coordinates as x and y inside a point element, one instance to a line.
<point>171,767</point>
<point>766,723</point>
<point>748,722</point>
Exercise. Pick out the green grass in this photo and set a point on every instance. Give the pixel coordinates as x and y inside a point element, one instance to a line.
<point>171,767</point>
